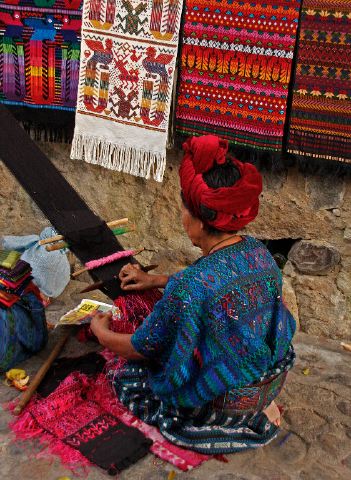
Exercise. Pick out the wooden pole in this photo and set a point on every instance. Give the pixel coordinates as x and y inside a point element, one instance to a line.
<point>56,246</point>
<point>57,238</point>
<point>27,395</point>
<point>116,232</point>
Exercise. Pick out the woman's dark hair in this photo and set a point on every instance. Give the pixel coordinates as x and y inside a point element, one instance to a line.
<point>225,175</point>
<point>222,175</point>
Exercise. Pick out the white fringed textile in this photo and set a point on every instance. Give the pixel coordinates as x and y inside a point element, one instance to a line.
<point>128,57</point>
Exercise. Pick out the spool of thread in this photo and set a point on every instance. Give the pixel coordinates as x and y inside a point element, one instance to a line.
<point>105,260</point>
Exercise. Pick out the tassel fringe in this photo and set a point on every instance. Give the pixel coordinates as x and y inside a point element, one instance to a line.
<point>26,428</point>
<point>122,158</point>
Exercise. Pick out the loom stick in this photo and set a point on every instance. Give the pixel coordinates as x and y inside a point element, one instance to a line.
<point>97,285</point>
<point>57,238</point>
<point>27,395</point>
<point>346,346</point>
<point>116,232</point>
<point>116,223</point>
<point>122,230</point>
<point>56,246</point>
<point>86,269</point>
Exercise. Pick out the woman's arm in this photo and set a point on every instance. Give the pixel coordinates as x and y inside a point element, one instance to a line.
<point>118,343</point>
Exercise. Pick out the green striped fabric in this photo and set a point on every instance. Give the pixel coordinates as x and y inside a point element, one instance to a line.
<point>9,258</point>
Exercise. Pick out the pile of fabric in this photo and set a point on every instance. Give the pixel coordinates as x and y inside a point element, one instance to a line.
<point>23,329</point>
<point>15,276</point>
<point>50,270</point>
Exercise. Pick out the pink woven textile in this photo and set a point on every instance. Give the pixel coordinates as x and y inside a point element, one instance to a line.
<point>73,407</point>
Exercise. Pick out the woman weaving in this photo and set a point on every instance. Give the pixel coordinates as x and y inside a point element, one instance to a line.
<point>207,363</point>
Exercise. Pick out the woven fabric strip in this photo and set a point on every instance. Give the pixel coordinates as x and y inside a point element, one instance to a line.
<point>235,70</point>
<point>320,126</point>
<point>129,51</point>
<point>8,259</point>
<point>88,236</point>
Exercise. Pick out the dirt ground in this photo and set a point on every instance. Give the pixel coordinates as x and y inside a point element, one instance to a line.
<point>314,443</point>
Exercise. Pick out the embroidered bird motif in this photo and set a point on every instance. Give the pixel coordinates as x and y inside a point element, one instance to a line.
<point>156,65</point>
<point>43,29</point>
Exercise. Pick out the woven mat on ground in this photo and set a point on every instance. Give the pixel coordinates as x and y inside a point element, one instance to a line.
<point>39,62</point>
<point>129,52</point>
<point>235,70</point>
<point>320,126</point>
<point>82,414</point>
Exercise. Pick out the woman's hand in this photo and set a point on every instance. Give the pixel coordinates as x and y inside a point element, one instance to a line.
<point>133,278</point>
<point>100,323</point>
<point>120,343</point>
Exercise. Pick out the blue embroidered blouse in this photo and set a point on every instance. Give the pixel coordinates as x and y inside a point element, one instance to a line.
<point>221,324</point>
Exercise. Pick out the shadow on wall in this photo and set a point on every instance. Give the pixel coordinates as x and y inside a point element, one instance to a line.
<point>280,249</point>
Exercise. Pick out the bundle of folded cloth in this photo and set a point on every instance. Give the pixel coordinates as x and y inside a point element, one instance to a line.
<point>15,277</point>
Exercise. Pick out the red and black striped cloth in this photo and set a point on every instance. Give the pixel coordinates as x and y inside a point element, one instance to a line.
<point>320,126</point>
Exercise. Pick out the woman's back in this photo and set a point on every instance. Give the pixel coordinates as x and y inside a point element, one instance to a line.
<point>220,325</point>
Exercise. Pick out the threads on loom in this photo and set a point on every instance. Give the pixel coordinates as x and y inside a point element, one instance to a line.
<point>98,285</point>
<point>105,260</point>
<point>110,258</point>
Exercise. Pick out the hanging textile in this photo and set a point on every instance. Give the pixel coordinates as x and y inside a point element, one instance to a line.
<point>129,51</point>
<point>320,126</point>
<point>39,62</point>
<point>235,70</point>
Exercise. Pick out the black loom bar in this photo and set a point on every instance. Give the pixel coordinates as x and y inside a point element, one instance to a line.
<point>59,202</point>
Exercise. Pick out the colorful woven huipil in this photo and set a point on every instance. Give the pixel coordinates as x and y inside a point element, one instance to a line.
<point>235,70</point>
<point>320,125</point>
<point>218,334</point>
<point>39,58</point>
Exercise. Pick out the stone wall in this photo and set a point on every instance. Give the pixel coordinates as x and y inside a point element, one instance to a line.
<point>316,212</point>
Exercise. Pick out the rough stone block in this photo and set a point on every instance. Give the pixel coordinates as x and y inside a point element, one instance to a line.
<point>314,257</point>
<point>347,234</point>
<point>325,192</point>
<point>290,301</point>
<point>323,309</point>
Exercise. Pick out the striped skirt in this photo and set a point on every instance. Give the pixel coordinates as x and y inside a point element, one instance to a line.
<point>232,423</point>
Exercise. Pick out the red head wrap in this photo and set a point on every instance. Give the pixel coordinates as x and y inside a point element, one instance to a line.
<point>237,205</point>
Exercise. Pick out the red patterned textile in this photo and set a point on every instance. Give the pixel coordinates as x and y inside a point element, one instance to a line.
<point>235,70</point>
<point>320,126</point>
<point>83,410</point>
